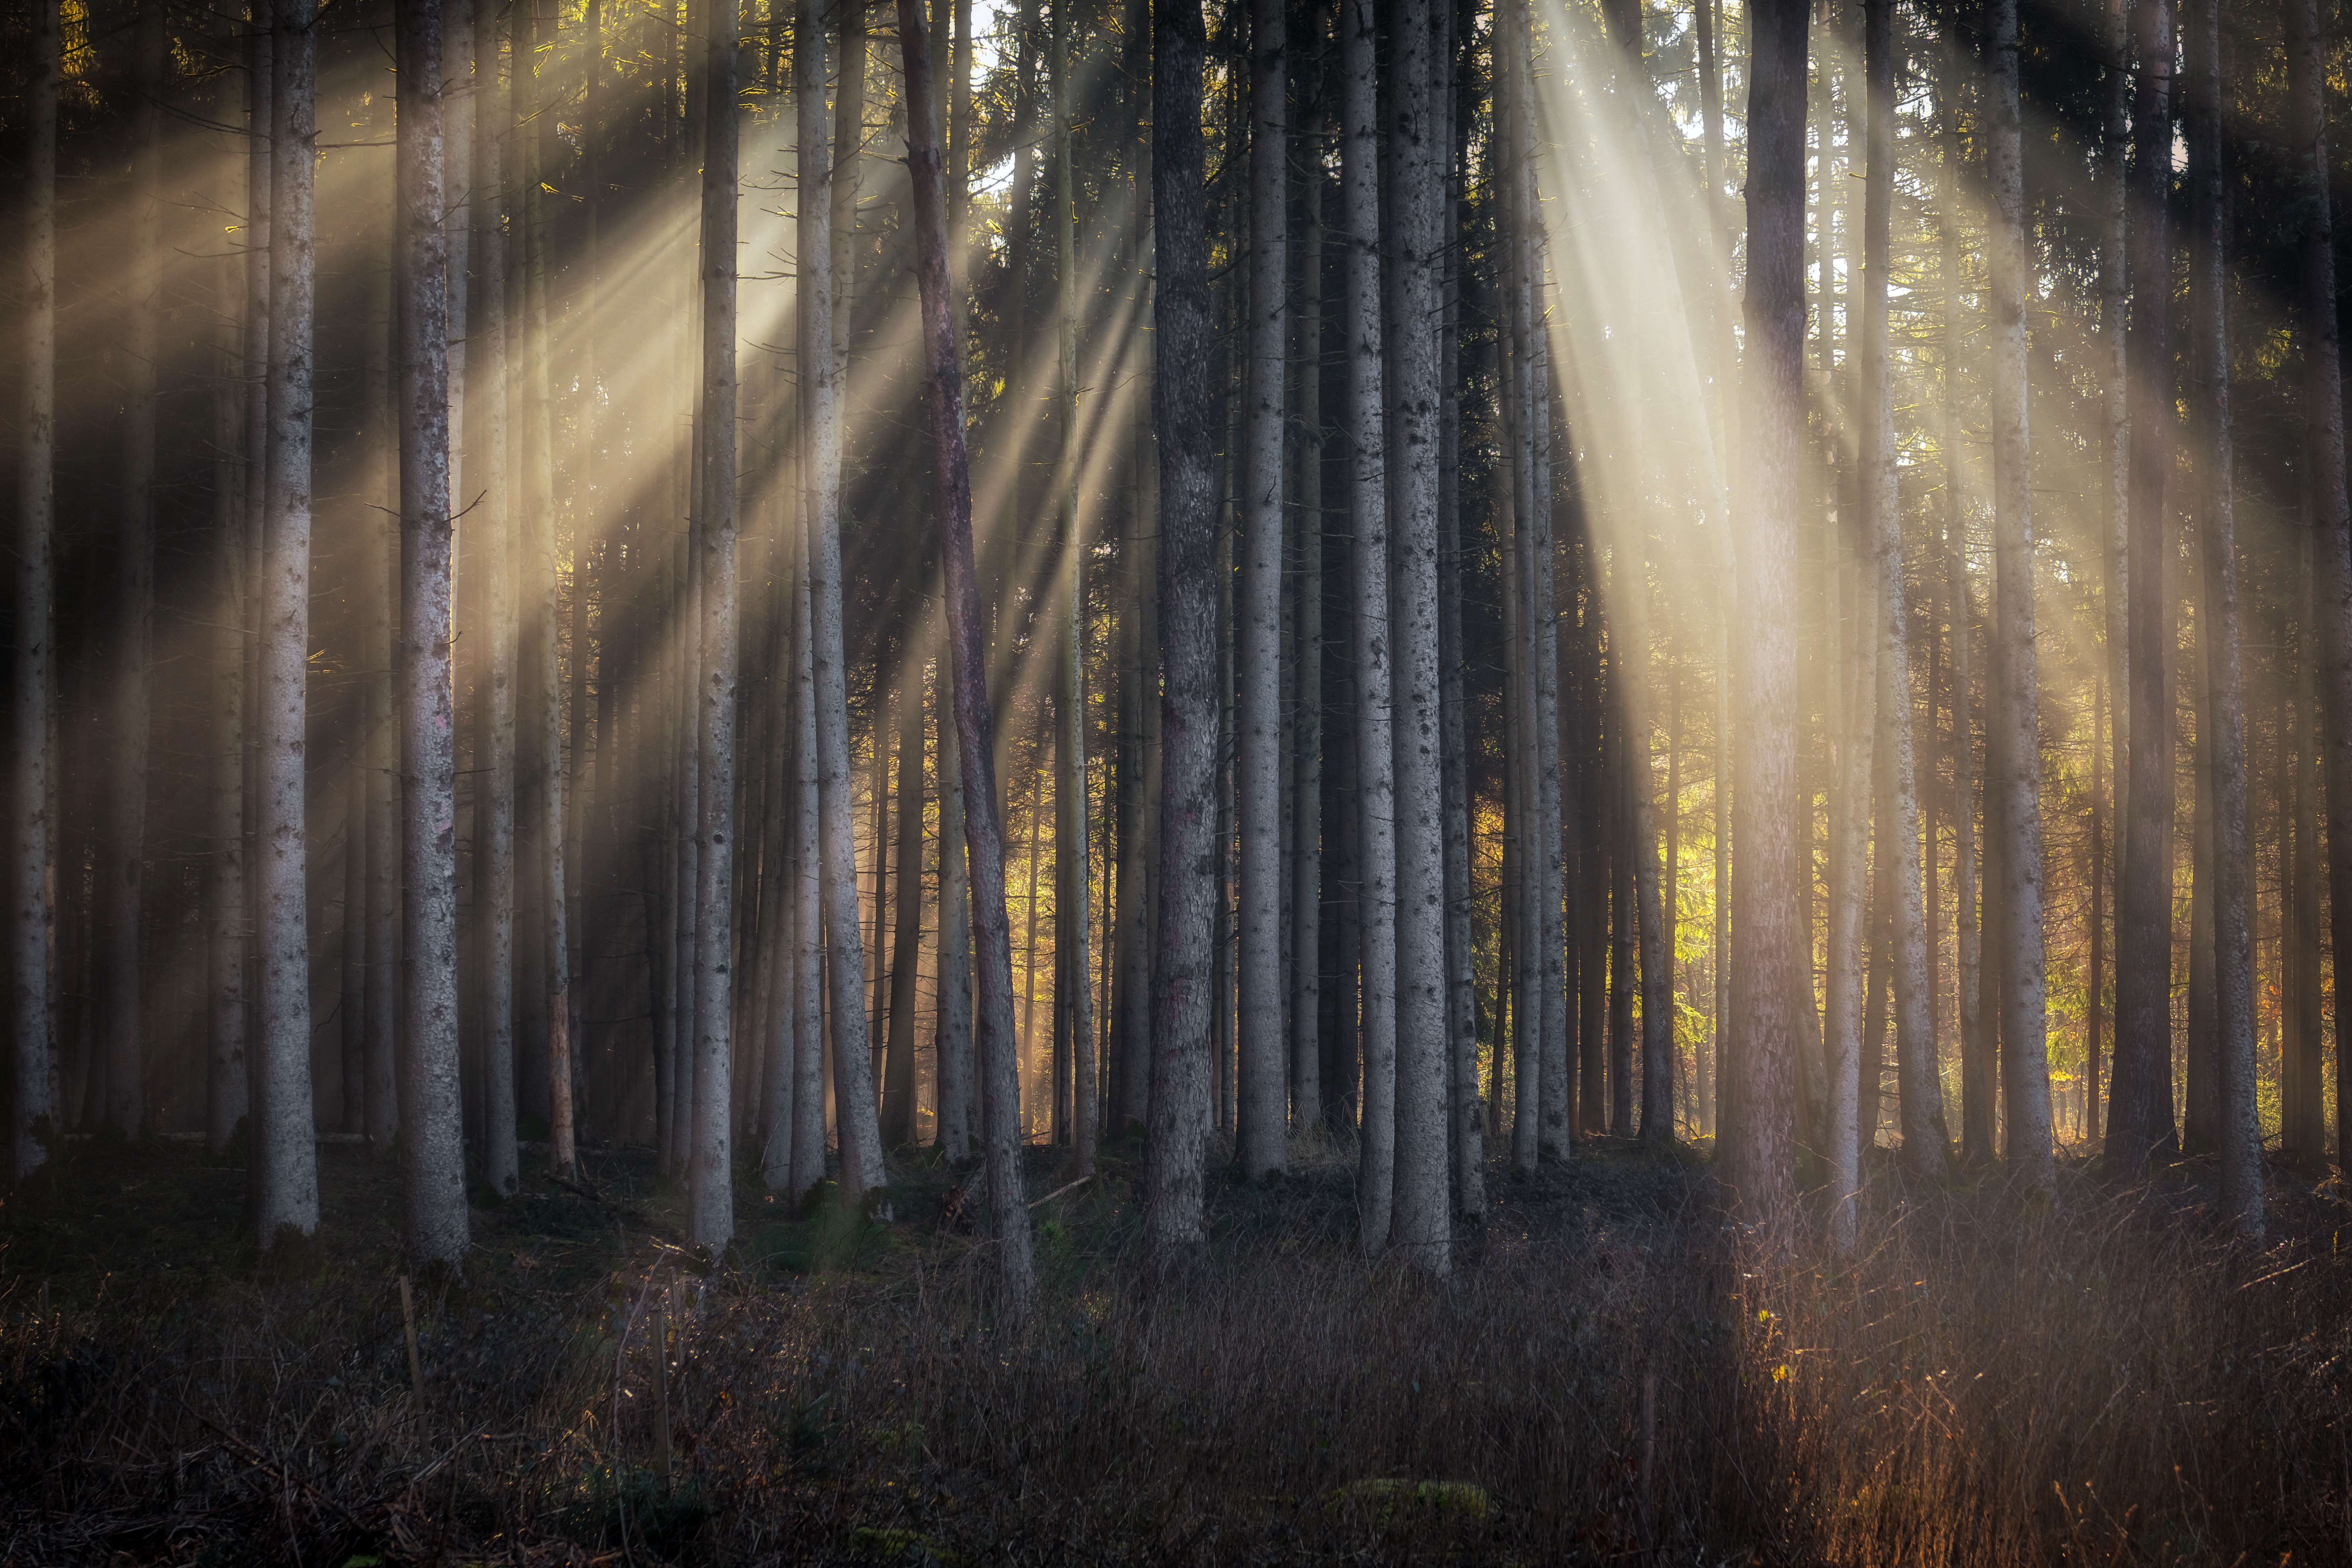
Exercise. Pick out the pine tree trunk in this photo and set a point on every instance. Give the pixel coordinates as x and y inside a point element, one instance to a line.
<point>1766,939</point>
<point>1183,413</point>
<point>825,308</point>
<point>958,1112</point>
<point>2140,1115</point>
<point>2239,1122</point>
<point>899,1103</point>
<point>2115,298</point>
<point>225,1097</point>
<point>1855,732</point>
<point>379,697</point>
<point>2025,1073</point>
<point>1306,626</point>
<point>289,1187</point>
<point>32,758</point>
<point>1261,1108</point>
<point>710,1206</point>
<point>1073,857</point>
<point>432,1136</point>
<point>494,552</point>
<point>968,663</point>
<point>1368,497</point>
<point>2323,407</point>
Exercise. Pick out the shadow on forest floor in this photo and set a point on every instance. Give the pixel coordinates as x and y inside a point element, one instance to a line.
<point>1607,1377</point>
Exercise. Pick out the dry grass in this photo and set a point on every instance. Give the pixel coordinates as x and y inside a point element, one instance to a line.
<point>1992,1382</point>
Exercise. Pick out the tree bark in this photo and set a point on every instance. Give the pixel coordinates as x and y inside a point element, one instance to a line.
<point>2323,409</point>
<point>2140,1111</point>
<point>1768,918</point>
<point>32,833</point>
<point>899,1102</point>
<point>1073,857</point>
<point>958,1090</point>
<point>1306,626</point>
<point>984,837</point>
<point>1183,412</point>
<point>1261,1108</point>
<point>2239,1122</point>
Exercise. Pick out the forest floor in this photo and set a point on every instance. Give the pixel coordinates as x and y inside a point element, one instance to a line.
<point>1606,1378</point>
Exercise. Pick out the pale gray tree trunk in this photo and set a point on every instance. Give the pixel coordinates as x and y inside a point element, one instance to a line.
<point>2140,1111</point>
<point>813,357</point>
<point>1368,503</point>
<point>2115,389</point>
<point>432,1174</point>
<point>2322,414</point>
<point>958,1090</point>
<point>33,849</point>
<point>287,1191</point>
<point>824,305</point>
<point>1853,671</point>
<point>1419,138</point>
<point>1184,409</point>
<point>486,506</point>
<point>710,1209</point>
<point>899,1120</point>
<point>379,572</point>
<point>2224,718</point>
<point>1260,1110</point>
<point>968,663</point>
<point>1925,1142</point>
<point>1073,857</point>
<point>1768,917</point>
<point>1306,625</point>
<point>131,640</point>
<point>226,1095</point>
<point>2015,785</point>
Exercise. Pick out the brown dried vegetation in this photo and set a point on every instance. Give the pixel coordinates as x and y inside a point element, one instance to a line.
<point>2107,1380</point>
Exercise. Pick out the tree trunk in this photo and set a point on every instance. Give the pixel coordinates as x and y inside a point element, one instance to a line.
<point>2139,1119</point>
<point>2025,1073</point>
<point>432,1151</point>
<point>32,929</point>
<point>958,1090</point>
<point>1306,626</point>
<point>1854,731</point>
<point>2239,1122</point>
<point>1767,929</point>
<point>824,308</point>
<point>1073,858</point>
<point>225,1097</point>
<point>1184,411</point>
<point>984,835</point>
<point>2323,407</point>
<point>1260,1114</point>
<point>899,1102</point>
<point>1376,756</point>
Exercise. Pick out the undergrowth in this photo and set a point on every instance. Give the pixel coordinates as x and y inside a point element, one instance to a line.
<point>1611,1376</point>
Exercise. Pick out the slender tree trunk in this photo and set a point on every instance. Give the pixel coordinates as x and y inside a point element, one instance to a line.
<point>2323,409</point>
<point>1926,1145</point>
<point>1855,730</point>
<point>899,1102</point>
<point>1184,409</point>
<point>984,835</point>
<point>289,1187</point>
<point>379,697</point>
<point>33,837</point>
<point>1073,857</point>
<point>2140,1116</point>
<point>1767,919</point>
<point>710,1208</point>
<point>825,308</point>
<point>490,509</point>
<point>958,1090</point>
<point>1307,624</point>
<point>2240,1121</point>
<point>1376,756</point>
<point>1418,139</point>
<point>2115,298</point>
<point>225,1097</point>
<point>1630,578</point>
<point>432,1135</point>
<point>1258,768</point>
<point>2025,1073</point>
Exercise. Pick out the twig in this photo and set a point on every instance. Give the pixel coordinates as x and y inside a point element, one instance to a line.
<point>408,1323</point>
<point>1058,1192</point>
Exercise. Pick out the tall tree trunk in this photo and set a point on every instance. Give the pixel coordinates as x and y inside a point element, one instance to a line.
<point>825,308</point>
<point>1768,918</point>
<point>1419,138</point>
<point>1926,1145</point>
<point>2115,298</point>
<point>2025,1071</point>
<point>225,1097</point>
<point>958,1090</point>
<point>2239,1123</point>
<point>2140,1115</point>
<point>1258,768</point>
<point>32,833</point>
<point>289,1187</point>
<point>1853,671</point>
<point>131,640</point>
<point>983,835</point>
<point>1468,1126</point>
<point>1184,410</point>
<point>432,1135</point>
<point>710,1206</point>
<point>1375,751</point>
<point>1073,858</point>
<point>1306,626</point>
<point>2323,405</point>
